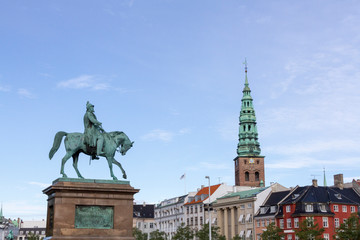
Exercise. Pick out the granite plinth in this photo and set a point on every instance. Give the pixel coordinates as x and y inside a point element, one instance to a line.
<point>66,196</point>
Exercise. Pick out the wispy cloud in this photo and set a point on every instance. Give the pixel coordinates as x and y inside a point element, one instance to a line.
<point>85,82</point>
<point>25,93</point>
<point>158,134</point>
<point>4,88</point>
<point>164,135</point>
<point>220,166</point>
<point>315,146</point>
<point>42,185</point>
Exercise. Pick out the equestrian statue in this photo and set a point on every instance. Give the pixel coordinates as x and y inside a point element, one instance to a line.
<point>94,142</point>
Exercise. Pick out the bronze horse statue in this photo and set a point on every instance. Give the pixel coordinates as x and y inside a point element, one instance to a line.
<point>74,145</point>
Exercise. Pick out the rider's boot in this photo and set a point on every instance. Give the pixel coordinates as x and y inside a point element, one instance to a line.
<point>99,147</point>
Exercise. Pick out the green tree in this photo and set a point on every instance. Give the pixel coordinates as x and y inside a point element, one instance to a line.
<point>309,230</point>
<point>236,237</point>
<point>349,230</point>
<point>183,233</point>
<point>158,235</point>
<point>272,232</point>
<point>203,234</point>
<point>138,234</point>
<point>32,236</point>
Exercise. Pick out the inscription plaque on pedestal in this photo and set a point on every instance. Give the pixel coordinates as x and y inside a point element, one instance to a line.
<point>100,217</point>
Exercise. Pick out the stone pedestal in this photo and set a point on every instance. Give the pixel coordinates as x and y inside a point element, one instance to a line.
<point>89,209</point>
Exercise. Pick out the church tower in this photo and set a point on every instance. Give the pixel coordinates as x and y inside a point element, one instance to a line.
<point>249,165</point>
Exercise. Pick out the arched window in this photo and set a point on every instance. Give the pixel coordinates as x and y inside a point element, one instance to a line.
<point>244,128</point>
<point>246,176</point>
<point>249,127</point>
<point>257,176</point>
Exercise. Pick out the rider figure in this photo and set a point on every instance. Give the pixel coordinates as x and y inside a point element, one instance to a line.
<point>93,136</point>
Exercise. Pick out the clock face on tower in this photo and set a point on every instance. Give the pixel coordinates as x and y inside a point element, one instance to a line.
<point>251,160</point>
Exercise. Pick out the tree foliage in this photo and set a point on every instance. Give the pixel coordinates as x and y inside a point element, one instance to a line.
<point>157,235</point>
<point>350,230</point>
<point>272,232</point>
<point>138,234</point>
<point>183,233</point>
<point>203,234</point>
<point>309,230</point>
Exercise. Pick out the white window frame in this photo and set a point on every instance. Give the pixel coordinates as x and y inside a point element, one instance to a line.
<point>336,222</point>
<point>296,222</point>
<point>289,237</point>
<point>288,208</point>
<point>326,236</point>
<point>352,209</point>
<point>309,207</point>
<point>325,222</point>
<point>288,223</point>
<point>344,208</point>
<point>336,208</point>
<point>281,223</point>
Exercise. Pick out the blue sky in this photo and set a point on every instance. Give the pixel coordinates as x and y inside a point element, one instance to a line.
<point>170,75</point>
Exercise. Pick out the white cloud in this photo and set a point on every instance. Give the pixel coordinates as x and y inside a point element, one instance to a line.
<point>25,209</point>
<point>158,134</point>
<point>42,185</point>
<point>4,88</point>
<point>84,82</point>
<point>314,146</point>
<point>163,135</point>
<point>25,93</point>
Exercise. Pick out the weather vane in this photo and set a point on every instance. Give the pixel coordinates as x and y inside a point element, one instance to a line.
<point>245,63</point>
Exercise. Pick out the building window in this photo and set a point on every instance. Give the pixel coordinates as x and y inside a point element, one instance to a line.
<point>272,209</point>
<point>200,208</point>
<point>336,208</point>
<point>187,209</point>
<point>257,176</point>
<point>151,225</point>
<point>191,209</point>
<point>246,176</point>
<point>201,220</point>
<point>288,208</point>
<point>326,236</point>
<point>187,221</point>
<point>249,205</point>
<point>267,222</point>
<point>196,207</point>
<point>244,160</point>
<point>296,237</point>
<point>352,209</point>
<point>325,222</point>
<point>288,223</point>
<point>296,223</point>
<point>196,221</point>
<point>242,206</point>
<point>322,207</point>
<point>289,236</point>
<point>282,223</point>
<point>191,221</point>
<point>337,222</point>
<point>344,208</point>
<point>257,162</point>
<point>258,223</point>
<point>344,220</point>
<point>310,221</point>
<point>144,225</point>
<point>309,208</point>
<point>263,223</point>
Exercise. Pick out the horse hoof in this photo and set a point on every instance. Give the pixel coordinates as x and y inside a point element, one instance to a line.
<point>115,178</point>
<point>124,176</point>
<point>64,176</point>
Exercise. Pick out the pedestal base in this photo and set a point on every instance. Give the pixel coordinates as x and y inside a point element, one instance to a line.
<point>89,209</point>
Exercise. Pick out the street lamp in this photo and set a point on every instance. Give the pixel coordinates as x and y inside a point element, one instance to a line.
<point>209,209</point>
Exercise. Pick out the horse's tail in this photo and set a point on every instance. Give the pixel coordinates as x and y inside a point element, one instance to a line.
<point>57,142</point>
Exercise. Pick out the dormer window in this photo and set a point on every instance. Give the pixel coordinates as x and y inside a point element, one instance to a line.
<point>263,210</point>
<point>338,195</point>
<point>322,207</point>
<point>273,209</point>
<point>309,207</point>
<point>294,196</point>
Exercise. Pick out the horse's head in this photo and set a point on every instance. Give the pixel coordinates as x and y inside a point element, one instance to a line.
<point>125,147</point>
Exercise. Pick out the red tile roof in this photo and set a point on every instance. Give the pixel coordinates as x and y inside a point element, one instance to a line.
<point>204,190</point>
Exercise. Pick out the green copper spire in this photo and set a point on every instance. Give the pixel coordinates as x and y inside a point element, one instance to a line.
<point>324,179</point>
<point>1,212</point>
<point>248,137</point>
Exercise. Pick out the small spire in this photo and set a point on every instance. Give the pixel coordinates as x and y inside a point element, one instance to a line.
<point>325,185</point>
<point>246,79</point>
<point>1,212</point>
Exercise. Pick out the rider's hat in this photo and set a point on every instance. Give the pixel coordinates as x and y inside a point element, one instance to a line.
<point>89,105</point>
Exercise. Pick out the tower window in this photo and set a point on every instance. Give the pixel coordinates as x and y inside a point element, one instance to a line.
<point>257,176</point>
<point>249,127</point>
<point>244,128</point>
<point>244,161</point>
<point>257,162</point>
<point>246,176</point>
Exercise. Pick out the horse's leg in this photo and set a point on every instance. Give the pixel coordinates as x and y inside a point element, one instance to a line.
<point>110,162</point>
<point>119,165</point>
<point>75,162</point>
<point>63,161</point>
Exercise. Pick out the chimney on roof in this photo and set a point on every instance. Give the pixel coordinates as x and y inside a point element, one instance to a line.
<point>202,186</point>
<point>144,204</point>
<point>339,181</point>
<point>314,183</point>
